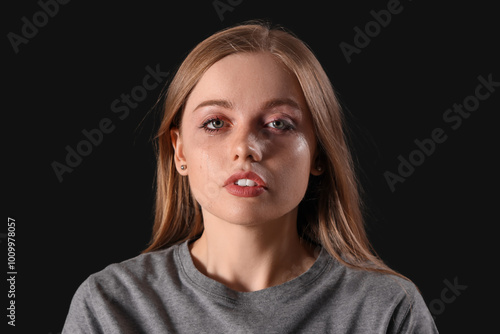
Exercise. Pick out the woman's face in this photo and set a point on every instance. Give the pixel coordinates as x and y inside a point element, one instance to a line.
<point>247,140</point>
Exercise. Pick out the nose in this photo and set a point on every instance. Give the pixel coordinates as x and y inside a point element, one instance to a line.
<point>246,145</point>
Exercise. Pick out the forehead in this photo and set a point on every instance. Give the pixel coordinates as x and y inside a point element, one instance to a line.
<point>247,79</point>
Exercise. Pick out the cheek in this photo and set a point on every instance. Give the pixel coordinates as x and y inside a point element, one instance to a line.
<point>293,169</point>
<point>205,172</point>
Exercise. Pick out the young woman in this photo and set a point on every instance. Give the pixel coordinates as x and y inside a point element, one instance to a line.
<point>258,224</point>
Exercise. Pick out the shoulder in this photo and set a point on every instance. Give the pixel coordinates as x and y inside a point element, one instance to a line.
<point>381,286</point>
<point>122,293</point>
<point>144,269</point>
<point>135,277</point>
<point>395,302</point>
<point>364,283</point>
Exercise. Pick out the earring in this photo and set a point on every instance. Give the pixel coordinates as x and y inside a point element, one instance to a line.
<point>319,168</point>
<point>183,167</point>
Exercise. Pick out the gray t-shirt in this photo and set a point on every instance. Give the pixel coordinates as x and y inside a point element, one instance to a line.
<point>163,292</point>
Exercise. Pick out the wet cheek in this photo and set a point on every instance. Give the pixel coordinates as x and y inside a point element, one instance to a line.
<point>295,170</point>
<point>206,174</point>
<point>299,154</point>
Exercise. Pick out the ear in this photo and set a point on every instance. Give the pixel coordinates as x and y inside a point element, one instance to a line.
<point>177,144</point>
<point>317,167</point>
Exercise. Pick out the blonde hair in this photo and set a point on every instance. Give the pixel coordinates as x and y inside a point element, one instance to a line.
<point>330,213</point>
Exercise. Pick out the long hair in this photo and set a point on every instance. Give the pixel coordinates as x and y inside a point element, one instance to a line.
<point>330,213</point>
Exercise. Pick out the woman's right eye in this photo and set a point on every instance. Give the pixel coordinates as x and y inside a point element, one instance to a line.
<point>214,124</point>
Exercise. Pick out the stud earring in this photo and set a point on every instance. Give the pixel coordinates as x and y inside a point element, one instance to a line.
<point>319,168</point>
<point>183,167</point>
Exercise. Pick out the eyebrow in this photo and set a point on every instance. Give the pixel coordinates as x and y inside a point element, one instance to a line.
<point>281,102</point>
<point>274,103</point>
<point>217,103</point>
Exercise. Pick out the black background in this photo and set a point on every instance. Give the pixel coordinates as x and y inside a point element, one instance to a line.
<point>438,225</point>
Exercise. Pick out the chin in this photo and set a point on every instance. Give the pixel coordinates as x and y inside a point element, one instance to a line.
<point>253,214</point>
<point>249,211</point>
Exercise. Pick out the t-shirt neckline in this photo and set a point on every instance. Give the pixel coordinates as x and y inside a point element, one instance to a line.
<point>219,290</point>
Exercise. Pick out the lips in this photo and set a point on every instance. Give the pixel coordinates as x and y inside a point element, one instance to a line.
<point>245,184</point>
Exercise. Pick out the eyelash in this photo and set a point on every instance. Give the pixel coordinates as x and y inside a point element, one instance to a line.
<point>287,125</point>
<point>207,122</point>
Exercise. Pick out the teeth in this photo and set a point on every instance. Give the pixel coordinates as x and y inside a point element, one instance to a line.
<point>246,183</point>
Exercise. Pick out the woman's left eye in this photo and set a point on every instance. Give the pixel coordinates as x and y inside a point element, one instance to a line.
<point>279,124</point>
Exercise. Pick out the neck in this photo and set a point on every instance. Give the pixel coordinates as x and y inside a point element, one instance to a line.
<point>251,257</point>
